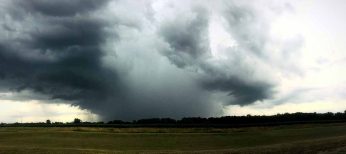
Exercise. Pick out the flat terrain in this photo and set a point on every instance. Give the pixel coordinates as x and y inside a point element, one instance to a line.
<point>311,138</point>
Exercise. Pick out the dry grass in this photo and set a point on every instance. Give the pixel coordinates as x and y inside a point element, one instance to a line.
<point>327,138</point>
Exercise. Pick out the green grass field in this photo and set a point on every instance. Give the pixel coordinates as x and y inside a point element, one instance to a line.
<point>312,138</point>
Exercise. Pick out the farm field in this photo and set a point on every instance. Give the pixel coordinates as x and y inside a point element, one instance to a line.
<point>309,138</point>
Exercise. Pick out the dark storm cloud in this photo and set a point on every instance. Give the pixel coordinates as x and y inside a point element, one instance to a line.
<point>60,7</point>
<point>116,59</point>
<point>188,40</point>
<point>57,55</point>
<point>244,93</point>
<point>61,56</point>
<point>68,33</point>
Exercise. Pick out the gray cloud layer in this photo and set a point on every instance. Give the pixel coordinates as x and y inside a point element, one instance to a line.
<point>119,59</point>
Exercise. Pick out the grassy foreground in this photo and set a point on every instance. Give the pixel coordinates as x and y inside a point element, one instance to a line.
<point>312,138</point>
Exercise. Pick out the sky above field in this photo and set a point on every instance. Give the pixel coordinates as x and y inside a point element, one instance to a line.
<point>120,59</point>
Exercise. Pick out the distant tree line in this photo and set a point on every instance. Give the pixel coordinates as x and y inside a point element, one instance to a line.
<point>298,117</point>
<point>226,121</point>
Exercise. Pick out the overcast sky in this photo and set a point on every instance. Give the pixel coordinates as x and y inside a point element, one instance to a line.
<point>117,59</point>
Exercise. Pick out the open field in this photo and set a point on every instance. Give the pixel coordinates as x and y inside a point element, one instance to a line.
<point>310,138</point>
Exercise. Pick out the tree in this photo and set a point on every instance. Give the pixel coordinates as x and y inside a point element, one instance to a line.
<point>48,122</point>
<point>77,121</point>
